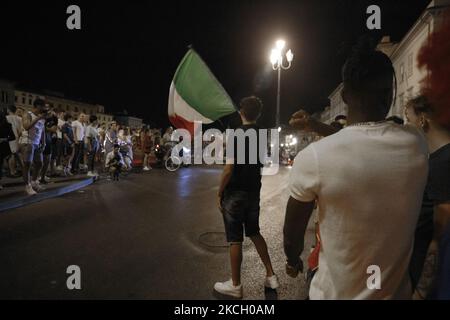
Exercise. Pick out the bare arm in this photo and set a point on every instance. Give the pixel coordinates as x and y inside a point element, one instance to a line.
<point>27,122</point>
<point>66,137</point>
<point>301,120</point>
<point>43,140</point>
<point>296,221</point>
<point>441,220</point>
<point>427,279</point>
<point>52,129</point>
<point>225,178</point>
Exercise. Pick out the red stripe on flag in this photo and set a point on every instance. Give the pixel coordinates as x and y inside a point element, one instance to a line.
<point>181,123</point>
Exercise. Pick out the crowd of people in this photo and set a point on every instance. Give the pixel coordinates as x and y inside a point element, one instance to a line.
<point>379,190</point>
<point>46,142</point>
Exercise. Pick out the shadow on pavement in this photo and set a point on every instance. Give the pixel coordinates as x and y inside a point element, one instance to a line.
<point>270,294</point>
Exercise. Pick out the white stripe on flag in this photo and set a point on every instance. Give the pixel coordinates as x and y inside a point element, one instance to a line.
<point>179,107</point>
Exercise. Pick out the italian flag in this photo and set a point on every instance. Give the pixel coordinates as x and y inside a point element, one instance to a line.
<point>196,95</point>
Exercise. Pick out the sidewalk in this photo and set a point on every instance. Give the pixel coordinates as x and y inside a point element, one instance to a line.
<point>13,194</point>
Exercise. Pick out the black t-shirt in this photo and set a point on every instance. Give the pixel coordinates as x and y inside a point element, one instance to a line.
<point>438,186</point>
<point>49,123</point>
<point>247,176</point>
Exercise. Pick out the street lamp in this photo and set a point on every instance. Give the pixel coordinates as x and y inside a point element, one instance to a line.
<point>276,58</point>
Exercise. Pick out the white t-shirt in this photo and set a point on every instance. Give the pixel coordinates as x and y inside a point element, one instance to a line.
<point>111,156</point>
<point>16,126</point>
<point>92,132</point>
<point>369,182</point>
<point>78,129</point>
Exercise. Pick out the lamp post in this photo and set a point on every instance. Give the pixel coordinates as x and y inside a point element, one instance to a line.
<point>276,58</point>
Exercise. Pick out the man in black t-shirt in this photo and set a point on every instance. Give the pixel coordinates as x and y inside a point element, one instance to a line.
<point>238,200</point>
<point>434,218</point>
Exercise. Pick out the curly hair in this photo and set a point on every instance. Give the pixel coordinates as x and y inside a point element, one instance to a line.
<point>434,56</point>
<point>365,65</point>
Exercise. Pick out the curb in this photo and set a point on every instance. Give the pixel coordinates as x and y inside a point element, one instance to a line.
<point>26,200</point>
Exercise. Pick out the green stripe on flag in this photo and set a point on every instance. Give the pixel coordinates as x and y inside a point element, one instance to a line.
<point>196,84</point>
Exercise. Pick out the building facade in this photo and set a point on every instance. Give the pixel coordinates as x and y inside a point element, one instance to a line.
<point>404,58</point>
<point>104,118</point>
<point>24,99</point>
<point>337,106</point>
<point>405,55</point>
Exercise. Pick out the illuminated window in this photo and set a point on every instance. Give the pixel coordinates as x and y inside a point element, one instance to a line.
<point>402,73</point>
<point>401,101</point>
<point>410,67</point>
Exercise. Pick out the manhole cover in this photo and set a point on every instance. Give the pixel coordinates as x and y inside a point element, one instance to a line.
<point>213,239</point>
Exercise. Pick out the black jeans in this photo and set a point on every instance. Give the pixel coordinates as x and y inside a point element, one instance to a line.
<point>422,240</point>
<point>91,158</point>
<point>4,153</point>
<point>79,150</point>
<point>240,212</point>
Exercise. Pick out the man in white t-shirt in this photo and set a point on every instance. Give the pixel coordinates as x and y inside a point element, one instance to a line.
<point>59,141</point>
<point>368,180</point>
<point>92,142</point>
<point>79,134</point>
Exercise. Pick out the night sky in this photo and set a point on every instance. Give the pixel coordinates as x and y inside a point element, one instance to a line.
<point>127,52</point>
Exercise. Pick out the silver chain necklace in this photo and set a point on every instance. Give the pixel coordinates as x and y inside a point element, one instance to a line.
<point>369,123</point>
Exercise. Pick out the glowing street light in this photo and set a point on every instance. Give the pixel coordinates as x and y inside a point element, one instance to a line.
<point>276,58</point>
<point>289,56</point>
<point>280,44</point>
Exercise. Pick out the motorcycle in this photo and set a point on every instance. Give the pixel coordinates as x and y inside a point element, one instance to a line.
<point>164,157</point>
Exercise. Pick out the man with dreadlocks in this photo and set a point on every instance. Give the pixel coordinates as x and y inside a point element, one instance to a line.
<point>368,180</point>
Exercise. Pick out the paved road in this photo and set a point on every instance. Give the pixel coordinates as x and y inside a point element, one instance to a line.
<point>154,235</point>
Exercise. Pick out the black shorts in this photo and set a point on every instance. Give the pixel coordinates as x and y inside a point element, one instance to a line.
<point>48,149</point>
<point>240,213</point>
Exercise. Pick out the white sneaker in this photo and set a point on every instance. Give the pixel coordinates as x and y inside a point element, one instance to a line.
<point>146,169</point>
<point>29,190</point>
<point>67,172</point>
<point>36,186</point>
<point>272,282</point>
<point>227,288</point>
<point>59,168</point>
